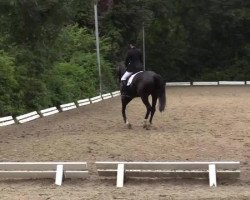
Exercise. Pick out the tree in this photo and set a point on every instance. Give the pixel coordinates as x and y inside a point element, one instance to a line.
<point>8,83</point>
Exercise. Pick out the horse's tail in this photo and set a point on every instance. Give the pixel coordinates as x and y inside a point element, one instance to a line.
<point>161,92</point>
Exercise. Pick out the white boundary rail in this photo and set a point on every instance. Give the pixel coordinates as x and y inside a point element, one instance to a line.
<point>178,84</point>
<point>115,93</point>
<point>68,106</point>
<point>27,117</point>
<point>231,82</point>
<point>49,111</point>
<point>35,170</point>
<point>5,121</point>
<point>106,96</point>
<point>96,99</point>
<point>205,83</point>
<point>83,102</point>
<point>208,170</point>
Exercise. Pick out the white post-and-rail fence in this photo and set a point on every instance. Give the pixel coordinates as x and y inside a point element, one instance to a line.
<point>62,170</point>
<point>205,170</point>
<point>36,170</point>
<point>4,121</point>
<point>207,83</point>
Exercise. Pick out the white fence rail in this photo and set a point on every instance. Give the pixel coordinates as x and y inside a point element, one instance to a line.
<point>49,111</point>
<point>83,102</point>
<point>27,117</point>
<point>96,99</point>
<point>115,93</point>
<point>106,96</point>
<point>68,106</point>
<point>231,82</point>
<point>178,84</point>
<point>205,83</point>
<point>62,170</point>
<point>209,170</point>
<point>36,170</point>
<point>4,121</point>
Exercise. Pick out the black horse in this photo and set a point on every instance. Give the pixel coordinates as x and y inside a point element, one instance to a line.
<point>143,85</point>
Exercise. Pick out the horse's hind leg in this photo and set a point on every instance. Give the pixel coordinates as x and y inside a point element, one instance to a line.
<point>148,106</point>
<point>125,102</point>
<point>154,100</point>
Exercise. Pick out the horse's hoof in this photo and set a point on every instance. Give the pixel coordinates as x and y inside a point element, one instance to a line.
<point>148,127</point>
<point>129,126</point>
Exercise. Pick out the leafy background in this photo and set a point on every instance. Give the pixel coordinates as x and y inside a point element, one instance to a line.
<point>48,52</point>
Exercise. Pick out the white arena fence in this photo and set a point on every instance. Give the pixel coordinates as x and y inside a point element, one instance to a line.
<point>5,121</point>
<point>181,170</point>
<point>206,83</point>
<point>37,170</point>
<point>198,170</point>
<point>27,117</point>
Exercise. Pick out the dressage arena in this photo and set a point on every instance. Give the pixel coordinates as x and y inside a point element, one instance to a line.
<point>201,123</point>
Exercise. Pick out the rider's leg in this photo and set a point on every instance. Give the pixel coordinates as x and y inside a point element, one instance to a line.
<point>124,82</point>
<point>126,75</point>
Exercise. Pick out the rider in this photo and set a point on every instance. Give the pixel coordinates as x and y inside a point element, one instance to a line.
<point>133,63</point>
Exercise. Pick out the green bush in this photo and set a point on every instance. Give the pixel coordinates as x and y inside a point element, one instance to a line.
<point>75,75</point>
<point>69,82</point>
<point>7,83</point>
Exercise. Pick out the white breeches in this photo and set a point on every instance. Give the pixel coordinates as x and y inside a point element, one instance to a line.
<point>126,75</point>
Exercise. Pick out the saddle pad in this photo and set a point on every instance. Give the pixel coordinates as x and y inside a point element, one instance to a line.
<point>132,77</point>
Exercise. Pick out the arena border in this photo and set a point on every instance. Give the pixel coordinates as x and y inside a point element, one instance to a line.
<point>61,170</point>
<point>5,121</point>
<point>83,102</point>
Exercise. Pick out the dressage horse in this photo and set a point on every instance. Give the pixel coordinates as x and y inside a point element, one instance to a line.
<point>143,85</point>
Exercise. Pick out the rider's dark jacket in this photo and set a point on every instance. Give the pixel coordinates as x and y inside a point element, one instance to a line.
<point>133,60</point>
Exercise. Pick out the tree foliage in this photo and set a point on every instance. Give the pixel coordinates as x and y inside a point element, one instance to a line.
<point>48,50</point>
<point>7,83</point>
<point>186,40</point>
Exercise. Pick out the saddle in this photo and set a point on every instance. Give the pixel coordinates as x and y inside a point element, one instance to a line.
<point>131,77</point>
<point>125,84</point>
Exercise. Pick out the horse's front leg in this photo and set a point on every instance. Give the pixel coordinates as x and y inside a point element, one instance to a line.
<point>125,102</point>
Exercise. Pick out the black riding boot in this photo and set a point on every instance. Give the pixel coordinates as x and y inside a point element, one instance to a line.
<point>124,88</point>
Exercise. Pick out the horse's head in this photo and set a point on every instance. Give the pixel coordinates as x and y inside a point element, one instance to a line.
<point>120,70</point>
